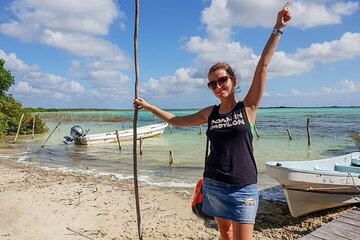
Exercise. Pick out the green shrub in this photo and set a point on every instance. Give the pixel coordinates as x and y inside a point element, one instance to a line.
<point>3,125</point>
<point>12,110</point>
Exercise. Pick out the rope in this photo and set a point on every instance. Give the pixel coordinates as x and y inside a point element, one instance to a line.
<point>352,178</point>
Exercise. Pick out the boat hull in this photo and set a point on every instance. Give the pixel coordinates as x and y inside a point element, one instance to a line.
<point>311,186</point>
<point>302,202</point>
<point>124,135</point>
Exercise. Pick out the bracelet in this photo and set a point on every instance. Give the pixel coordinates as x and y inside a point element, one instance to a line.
<point>277,31</point>
<point>152,108</point>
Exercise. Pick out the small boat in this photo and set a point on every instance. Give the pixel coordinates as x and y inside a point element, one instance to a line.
<point>80,137</point>
<point>310,186</point>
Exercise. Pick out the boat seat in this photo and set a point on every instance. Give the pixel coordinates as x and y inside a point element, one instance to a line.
<point>350,169</point>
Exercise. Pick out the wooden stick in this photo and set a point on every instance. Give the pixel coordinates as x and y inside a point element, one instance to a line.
<point>141,146</point>
<point>33,128</point>
<point>308,131</point>
<point>171,129</point>
<point>18,129</point>
<point>136,110</point>
<point>83,235</point>
<point>51,134</point>
<point>256,131</point>
<point>27,147</point>
<point>171,158</point>
<point>289,133</point>
<point>118,139</point>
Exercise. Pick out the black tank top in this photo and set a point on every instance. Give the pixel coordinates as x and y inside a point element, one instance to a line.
<point>231,158</point>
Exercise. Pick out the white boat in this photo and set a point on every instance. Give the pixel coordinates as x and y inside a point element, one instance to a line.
<point>310,186</point>
<point>124,135</point>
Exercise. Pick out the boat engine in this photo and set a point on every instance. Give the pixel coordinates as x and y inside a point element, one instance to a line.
<point>75,132</point>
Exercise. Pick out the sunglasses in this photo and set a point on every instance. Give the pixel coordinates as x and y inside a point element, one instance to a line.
<point>221,81</point>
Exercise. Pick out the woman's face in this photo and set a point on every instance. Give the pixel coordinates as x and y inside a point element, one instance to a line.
<point>221,84</point>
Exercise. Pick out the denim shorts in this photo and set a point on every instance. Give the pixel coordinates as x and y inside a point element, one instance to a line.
<point>230,201</point>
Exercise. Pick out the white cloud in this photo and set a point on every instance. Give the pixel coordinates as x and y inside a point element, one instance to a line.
<point>184,81</point>
<point>65,16</point>
<point>222,15</point>
<point>72,25</point>
<point>310,14</point>
<point>78,27</point>
<point>15,64</point>
<point>344,87</point>
<point>348,46</point>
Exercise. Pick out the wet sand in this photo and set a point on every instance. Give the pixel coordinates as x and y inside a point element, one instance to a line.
<point>39,204</point>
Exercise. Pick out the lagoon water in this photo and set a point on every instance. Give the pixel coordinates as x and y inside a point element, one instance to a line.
<point>330,128</point>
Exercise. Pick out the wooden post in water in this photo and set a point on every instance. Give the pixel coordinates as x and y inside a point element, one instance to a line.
<point>118,139</point>
<point>51,134</point>
<point>256,132</point>
<point>141,146</point>
<point>33,128</point>
<point>289,133</point>
<point>308,131</point>
<point>171,129</point>
<point>27,147</point>
<point>171,158</point>
<point>18,129</point>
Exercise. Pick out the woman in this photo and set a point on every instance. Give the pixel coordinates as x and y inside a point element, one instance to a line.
<point>230,175</point>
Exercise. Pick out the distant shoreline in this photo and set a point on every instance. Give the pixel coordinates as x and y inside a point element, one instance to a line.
<point>170,109</point>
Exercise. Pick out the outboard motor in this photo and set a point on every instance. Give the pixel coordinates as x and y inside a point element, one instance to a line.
<point>75,132</point>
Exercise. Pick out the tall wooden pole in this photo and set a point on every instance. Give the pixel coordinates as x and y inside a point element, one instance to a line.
<point>136,185</point>
<point>18,129</point>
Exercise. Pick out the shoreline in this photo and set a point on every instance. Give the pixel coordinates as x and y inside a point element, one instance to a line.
<point>48,204</point>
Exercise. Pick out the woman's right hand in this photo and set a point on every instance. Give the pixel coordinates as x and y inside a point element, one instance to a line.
<point>141,103</point>
<point>283,17</point>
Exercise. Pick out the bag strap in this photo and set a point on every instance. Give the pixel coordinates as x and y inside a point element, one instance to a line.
<point>207,148</point>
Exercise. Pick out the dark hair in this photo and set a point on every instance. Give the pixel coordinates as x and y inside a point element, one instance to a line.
<point>228,70</point>
<point>224,66</point>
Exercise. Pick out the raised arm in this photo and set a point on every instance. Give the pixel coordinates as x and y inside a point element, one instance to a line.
<point>195,119</point>
<point>253,98</point>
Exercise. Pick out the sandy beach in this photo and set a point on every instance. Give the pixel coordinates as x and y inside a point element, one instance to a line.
<point>42,204</point>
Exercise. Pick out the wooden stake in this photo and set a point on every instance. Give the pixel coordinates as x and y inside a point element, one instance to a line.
<point>136,111</point>
<point>171,158</point>
<point>256,132</point>
<point>33,128</point>
<point>308,131</point>
<point>171,129</point>
<point>18,129</point>
<point>289,133</point>
<point>51,134</point>
<point>118,139</point>
<point>27,147</point>
<point>141,146</point>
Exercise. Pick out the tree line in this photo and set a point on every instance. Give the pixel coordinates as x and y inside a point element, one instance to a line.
<point>12,110</point>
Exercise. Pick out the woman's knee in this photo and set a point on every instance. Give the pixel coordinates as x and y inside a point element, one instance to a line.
<point>225,228</point>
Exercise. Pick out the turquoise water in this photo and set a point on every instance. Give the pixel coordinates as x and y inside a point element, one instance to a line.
<point>329,128</point>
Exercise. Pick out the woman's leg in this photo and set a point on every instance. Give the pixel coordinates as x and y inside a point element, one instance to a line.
<point>225,228</point>
<point>242,231</point>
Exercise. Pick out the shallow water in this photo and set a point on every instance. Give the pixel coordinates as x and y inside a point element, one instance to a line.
<point>329,127</point>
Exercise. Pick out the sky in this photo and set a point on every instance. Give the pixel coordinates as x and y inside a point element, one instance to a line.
<point>80,54</point>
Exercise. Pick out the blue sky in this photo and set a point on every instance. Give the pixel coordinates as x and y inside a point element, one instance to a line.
<point>79,54</point>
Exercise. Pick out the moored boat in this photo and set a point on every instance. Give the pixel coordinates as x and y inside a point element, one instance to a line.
<point>111,137</point>
<point>315,185</point>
